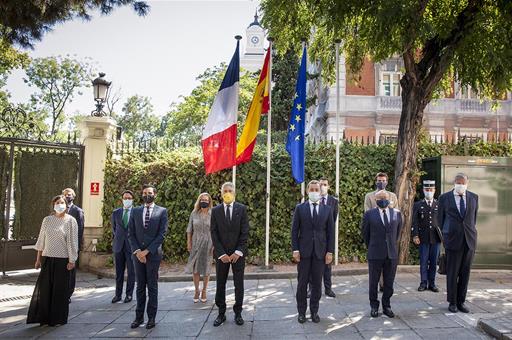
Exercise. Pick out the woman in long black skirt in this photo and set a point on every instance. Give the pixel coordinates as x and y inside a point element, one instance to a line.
<point>57,251</point>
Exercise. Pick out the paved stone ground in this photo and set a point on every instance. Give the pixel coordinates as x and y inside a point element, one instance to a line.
<point>269,311</point>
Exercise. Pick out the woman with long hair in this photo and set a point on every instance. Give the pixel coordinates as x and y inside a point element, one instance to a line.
<point>199,244</point>
<point>57,251</point>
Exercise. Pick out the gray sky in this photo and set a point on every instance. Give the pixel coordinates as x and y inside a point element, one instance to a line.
<point>157,56</point>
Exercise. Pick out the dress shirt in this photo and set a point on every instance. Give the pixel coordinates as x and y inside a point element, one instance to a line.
<point>457,199</point>
<point>382,212</point>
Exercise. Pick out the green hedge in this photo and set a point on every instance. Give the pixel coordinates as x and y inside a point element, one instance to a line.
<point>179,177</point>
<point>4,181</point>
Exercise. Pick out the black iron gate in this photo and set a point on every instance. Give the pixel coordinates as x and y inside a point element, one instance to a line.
<point>32,171</point>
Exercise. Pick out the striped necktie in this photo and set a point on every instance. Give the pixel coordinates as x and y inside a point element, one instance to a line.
<point>146,219</point>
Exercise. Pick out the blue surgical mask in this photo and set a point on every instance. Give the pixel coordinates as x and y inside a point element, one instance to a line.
<point>314,196</point>
<point>127,204</point>
<point>383,204</point>
<point>429,195</point>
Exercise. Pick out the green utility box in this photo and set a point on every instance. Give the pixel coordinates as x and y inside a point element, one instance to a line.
<point>491,179</point>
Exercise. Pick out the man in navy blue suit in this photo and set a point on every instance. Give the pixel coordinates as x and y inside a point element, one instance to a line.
<point>458,209</point>
<point>312,245</point>
<point>78,214</point>
<point>121,248</point>
<point>146,230</point>
<point>381,229</point>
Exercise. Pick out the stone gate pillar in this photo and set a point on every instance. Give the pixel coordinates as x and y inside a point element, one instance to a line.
<point>96,135</point>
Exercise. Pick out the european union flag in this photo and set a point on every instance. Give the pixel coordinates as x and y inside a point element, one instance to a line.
<point>296,127</point>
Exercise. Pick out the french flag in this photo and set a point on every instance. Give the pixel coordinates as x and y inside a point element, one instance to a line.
<point>219,134</point>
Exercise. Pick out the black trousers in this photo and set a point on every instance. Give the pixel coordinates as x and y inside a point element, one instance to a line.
<point>310,270</point>
<point>123,260</point>
<point>147,278</point>
<point>222,272</point>
<point>49,304</point>
<point>72,277</point>
<point>387,268</point>
<point>327,277</point>
<point>458,267</point>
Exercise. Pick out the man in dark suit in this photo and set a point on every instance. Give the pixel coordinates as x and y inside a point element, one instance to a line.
<point>427,235</point>
<point>331,201</point>
<point>146,230</point>
<point>458,209</point>
<point>230,230</point>
<point>312,245</point>
<point>121,248</point>
<point>381,230</point>
<point>78,214</point>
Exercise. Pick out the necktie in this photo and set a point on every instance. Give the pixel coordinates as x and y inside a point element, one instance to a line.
<point>146,219</point>
<point>323,200</point>
<point>228,213</point>
<point>386,220</point>
<point>125,218</point>
<point>315,213</point>
<point>462,206</point>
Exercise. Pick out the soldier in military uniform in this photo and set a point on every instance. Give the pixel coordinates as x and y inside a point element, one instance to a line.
<point>427,235</point>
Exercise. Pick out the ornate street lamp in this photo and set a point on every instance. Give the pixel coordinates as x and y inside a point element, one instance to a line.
<point>100,88</point>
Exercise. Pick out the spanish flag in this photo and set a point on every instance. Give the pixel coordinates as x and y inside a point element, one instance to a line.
<point>259,106</point>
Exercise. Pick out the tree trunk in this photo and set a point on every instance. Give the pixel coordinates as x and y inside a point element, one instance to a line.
<point>413,104</point>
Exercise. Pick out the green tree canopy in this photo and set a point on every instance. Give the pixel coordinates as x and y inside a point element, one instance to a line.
<point>436,38</point>
<point>138,120</point>
<point>185,120</point>
<point>57,80</point>
<point>284,72</point>
<point>10,59</point>
<point>23,22</point>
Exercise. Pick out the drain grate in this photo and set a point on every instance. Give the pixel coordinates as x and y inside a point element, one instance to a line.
<point>26,297</point>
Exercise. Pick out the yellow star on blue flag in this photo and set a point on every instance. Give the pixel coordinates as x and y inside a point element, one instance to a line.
<point>296,126</point>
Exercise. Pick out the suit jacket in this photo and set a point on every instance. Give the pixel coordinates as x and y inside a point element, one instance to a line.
<point>119,232</point>
<point>309,237</point>
<point>78,214</point>
<point>228,237</point>
<point>425,223</point>
<point>382,243</point>
<point>333,203</point>
<point>370,202</point>
<point>152,237</point>
<point>455,227</point>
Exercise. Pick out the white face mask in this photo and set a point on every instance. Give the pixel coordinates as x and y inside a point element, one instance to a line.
<point>460,188</point>
<point>324,190</point>
<point>59,208</point>
<point>314,196</point>
<point>127,203</point>
<point>429,195</point>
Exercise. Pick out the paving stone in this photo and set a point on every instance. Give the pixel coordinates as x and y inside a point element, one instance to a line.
<point>121,330</point>
<point>24,331</point>
<point>496,327</point>
<point>430,321</point>
<point>278,313</point>
<point>72,331</point>
<point>104,317</point>
<point>451,333</point>
<point>380,323</point>
<point>277,328</point>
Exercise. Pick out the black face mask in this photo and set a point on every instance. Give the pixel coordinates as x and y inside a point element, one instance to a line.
<point>204,205</point>
<point>69,200</point>
<point>148,199</point>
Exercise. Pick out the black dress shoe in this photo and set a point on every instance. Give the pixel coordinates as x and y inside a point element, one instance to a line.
<point>422,287</point>
<point>388,312</point>
<point>434,289</point>
<point>462,307</point>
<point>330,293</point>
<point>301,318</point>
<point>151,323</point>
<point>315,318</point>
<point>239,320</point>
<point>374,312</point>
<point>128,298</point>
<point>219,320</point>
<point>116,299</point>
<point>452,308</point>
<point>136,323</point>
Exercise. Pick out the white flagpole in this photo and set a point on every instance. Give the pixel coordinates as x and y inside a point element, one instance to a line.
<point>238,38</point>
<point>269,148</point>
<point>336,233</point>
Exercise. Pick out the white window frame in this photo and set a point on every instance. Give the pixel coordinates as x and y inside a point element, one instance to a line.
<point>391,87</point>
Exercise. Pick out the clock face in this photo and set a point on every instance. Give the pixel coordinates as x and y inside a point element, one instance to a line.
<point>255,40</point>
